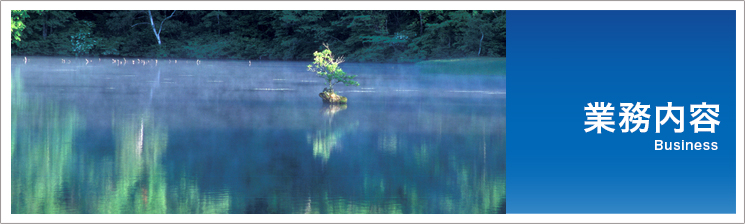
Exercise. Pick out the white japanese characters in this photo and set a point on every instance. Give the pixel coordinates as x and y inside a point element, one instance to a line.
<point>636,114</point>
<point>600,117</point>
<point>696,110</point>
<point>669,108</point>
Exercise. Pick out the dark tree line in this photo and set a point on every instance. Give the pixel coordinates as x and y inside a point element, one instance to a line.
<point>365,36</point>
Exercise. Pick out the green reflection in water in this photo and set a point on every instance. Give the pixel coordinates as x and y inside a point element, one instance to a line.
<point>16,88</point>
<point>187,199</point>
<point>51,175</point>
<point>326,139</point>
<point>42,151</point>
<point>140,183</point>
<point>467,179</point>
<point>406,161</point>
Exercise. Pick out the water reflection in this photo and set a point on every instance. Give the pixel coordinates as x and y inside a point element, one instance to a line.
<point>106,137</point>
<point>326,138</point>
<point>329,110</point>
<point>42,153</point>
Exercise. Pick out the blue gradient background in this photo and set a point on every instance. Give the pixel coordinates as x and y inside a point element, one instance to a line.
<point>561,60</point>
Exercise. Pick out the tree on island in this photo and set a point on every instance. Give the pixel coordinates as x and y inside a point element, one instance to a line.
<point>326,66</point>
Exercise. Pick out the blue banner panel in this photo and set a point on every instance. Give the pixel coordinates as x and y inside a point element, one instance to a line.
<point>579,84</point>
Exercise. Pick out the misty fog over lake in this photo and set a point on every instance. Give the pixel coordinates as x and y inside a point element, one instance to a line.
<point>105,135</point>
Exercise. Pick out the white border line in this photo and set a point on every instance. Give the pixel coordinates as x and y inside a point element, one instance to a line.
<point>5,82</point>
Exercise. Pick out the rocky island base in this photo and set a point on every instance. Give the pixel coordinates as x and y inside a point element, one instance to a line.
<point>328,96</point>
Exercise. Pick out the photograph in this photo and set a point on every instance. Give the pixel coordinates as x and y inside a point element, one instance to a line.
<point>258,112</point>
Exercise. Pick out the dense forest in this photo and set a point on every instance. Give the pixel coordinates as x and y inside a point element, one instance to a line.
<point>362,36</point>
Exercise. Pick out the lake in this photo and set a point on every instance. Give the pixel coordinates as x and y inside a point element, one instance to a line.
<point>105,135</point>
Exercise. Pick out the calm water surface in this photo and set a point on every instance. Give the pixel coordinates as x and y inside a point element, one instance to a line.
<point>216,136</point>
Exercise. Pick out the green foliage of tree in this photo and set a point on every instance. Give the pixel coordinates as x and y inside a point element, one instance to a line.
<point>17,25</point>
<point>208,20</point>
<point>45,22</point>
<point>49,33</point>
<point>82,40</point>
<point>361,35</point>
<point>326,66</point>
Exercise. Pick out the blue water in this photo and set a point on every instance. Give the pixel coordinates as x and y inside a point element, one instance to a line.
<point>181,136</point>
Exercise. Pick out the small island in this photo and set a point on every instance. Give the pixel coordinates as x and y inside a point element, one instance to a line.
<point>326,66</point>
